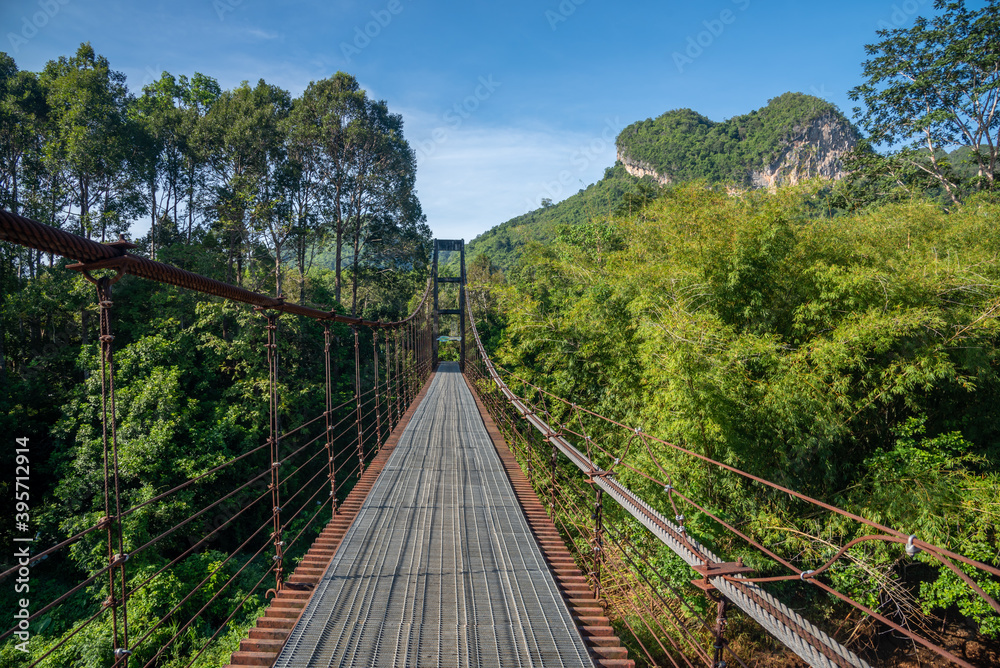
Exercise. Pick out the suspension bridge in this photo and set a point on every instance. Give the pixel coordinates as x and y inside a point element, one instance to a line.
<point>446,514</point>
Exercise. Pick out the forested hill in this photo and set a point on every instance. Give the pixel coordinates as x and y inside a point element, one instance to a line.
<point>794,137</point>
<point>503,243</point>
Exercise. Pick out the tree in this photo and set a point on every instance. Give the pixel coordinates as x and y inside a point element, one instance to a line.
<point>245,144</point>
<point>198,94</point>
<point>159,117</point>
<point>22,112</point>
<point>382,178</point>
<point>92,142</point>
<point>308,191</point>
<point>929,89</point>
<point>356,149</point>
<point>324,114</point>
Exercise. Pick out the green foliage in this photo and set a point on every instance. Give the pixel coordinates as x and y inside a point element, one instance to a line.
<point>504,243</point>
<point>680,144</point>
<point>928,89</point>
<point>851,358</point>
<point>684,145</point>
<point>191,382</point>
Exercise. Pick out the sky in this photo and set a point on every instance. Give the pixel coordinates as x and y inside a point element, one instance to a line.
<point>505,103</point>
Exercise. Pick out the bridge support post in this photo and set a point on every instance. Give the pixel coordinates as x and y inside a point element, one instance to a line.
<point>112,518</point>
<point>272,366</point>
<point>448,245</point>
<point>331,463</point>
<point>461,317</point>
<point>389,424</point>
<point>436,328</point>
<point>378,408</point>
<point>357,402</point>
<point>411,349</point>
<point>598,539</point>
<point>397,336</point>
<point>552,500</point>
<point>720,625</point>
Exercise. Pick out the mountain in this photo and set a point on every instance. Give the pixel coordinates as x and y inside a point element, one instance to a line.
<point>503,243</point>
<point>795,137</point>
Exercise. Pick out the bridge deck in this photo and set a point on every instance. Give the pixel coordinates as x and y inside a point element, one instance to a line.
<point>440,567</point>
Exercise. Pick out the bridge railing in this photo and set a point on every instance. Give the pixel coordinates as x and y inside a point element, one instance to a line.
<point>587,466</point>
<point>265,504</point>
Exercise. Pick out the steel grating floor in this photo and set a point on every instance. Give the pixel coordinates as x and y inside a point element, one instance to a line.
<point>440,567</point>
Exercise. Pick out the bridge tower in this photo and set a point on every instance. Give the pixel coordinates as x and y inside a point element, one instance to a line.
<point>440,246</point>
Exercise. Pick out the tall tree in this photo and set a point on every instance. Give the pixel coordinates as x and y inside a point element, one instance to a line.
<point>244,141</point>
<point>159,116</point>
<point>198,94</point>
<point>171,113</point>
<point>381,181</point>
<point>92,141</point>
<point>307,163</point>
<point>357,174</point>
<point>334,107</point>
<point>933,88</point>
<point>22,112</point>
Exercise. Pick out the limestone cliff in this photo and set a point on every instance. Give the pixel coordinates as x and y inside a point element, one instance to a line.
<point>640,169</point>
<point>818,150</point>
<point>794,138</point>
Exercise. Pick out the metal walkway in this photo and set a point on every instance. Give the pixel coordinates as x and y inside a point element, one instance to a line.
<point>440,567</point>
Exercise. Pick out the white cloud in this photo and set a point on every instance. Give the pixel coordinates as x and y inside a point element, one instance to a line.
<point>473,178</point>
<point>263,34</point>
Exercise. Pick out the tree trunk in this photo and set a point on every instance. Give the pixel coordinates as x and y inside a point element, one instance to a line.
<point>152,222</point>
<point>84,209</point>
<point>104,218</point>
<point>3,330</point>
<point>302,267</point>
<point>337,261</point>
<point>190,206</point>
<point>277,268</point>
<point>14,208</point>
<point>356,269</point>
<point>3,361</point>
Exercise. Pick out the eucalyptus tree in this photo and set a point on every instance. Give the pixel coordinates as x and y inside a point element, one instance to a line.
<point>930,89</point>
<point>244,144</point>
<point>381,182</point>
<point>198,94</point>
<point>326,114</point>
<point>354,181</point>
<point>91,140</point>
<point>22,118</point>
<point>22,113</point>
<point>394,260</point>
<point>171,113</point>
<point>308,192</point>
<point>159,115</point>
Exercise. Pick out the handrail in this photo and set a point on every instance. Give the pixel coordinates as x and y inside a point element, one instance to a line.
<point>802,637</point>
<point>318,475</point>
<point>93,255</point>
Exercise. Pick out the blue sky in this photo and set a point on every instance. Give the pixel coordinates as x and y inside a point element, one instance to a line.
<point>504,102</point>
